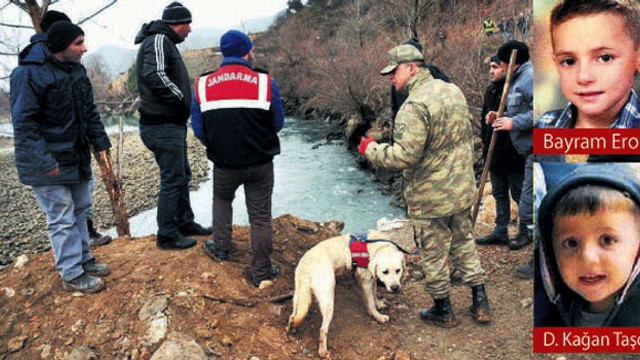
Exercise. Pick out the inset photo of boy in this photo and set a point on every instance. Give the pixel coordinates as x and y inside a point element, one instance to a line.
<point>588,222</point>
<point>586,58</point>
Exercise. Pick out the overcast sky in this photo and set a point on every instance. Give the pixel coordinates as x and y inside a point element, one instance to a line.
<point>118,24</point>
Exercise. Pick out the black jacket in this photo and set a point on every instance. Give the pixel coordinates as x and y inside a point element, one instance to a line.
<point>163,80</point>
<point>54,120</point>
<point>505,156</point>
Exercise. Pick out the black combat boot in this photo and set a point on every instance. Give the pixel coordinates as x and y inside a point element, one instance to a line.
<point>440,314</point>
<point>480,310</point>
<point>95,238</point>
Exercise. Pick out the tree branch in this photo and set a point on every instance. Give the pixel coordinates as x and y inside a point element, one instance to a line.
<point>5,5</point>
<point>2,53</point>
<point>97,12</point>
<point>16,26</point>
<point>20,5</point>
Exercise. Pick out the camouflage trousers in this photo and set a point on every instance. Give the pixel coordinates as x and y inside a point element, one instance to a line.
<point>446,238</point>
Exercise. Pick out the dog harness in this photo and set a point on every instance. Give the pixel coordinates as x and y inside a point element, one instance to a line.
<point>359,252</point>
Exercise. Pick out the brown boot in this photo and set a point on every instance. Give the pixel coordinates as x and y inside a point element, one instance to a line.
<point>480,310</point>
<point>440,314</point>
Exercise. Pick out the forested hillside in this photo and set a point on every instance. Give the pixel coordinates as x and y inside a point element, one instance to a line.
<point>326,56</point>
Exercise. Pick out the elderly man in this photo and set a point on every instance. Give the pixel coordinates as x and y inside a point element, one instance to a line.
<point>165,106</point>
<point>433,146</point>
<point>55,123</point>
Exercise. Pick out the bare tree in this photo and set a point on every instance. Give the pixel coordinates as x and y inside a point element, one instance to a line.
<point>35,11</point>
<point>408,13</point>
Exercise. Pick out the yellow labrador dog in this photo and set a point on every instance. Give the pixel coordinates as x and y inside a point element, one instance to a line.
<point>317,270</point>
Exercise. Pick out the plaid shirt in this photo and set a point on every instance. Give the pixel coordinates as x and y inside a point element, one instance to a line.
<point>563,119</point>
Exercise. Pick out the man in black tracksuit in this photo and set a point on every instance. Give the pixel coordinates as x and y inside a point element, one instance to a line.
<point>165,106</point>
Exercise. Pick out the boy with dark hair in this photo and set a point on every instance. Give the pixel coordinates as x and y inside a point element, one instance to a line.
<point>590,227</point>
<point>595,50</point>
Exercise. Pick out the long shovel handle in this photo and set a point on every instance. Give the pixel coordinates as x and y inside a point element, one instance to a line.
<point>492,144</point>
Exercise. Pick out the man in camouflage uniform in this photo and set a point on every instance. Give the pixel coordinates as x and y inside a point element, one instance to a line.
<point>433,145</point>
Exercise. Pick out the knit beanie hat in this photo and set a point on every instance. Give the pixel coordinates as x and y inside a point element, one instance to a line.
<point>61,34</point>
<point>50,17</point>
<point>176,13</point>
<point>619,177</point>
<point>235,43</point>
<point>415,43</point>
<point>504,52</point>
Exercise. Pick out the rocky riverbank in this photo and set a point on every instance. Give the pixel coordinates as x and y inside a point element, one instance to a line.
<point>23,226</point>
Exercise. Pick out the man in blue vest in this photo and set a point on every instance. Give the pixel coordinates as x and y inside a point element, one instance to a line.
<point>237,113</point>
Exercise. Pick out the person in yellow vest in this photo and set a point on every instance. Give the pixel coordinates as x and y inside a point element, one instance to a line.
<point>489,27</point>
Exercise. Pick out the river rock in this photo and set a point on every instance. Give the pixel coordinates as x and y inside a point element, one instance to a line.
<point>179,347</point>
<point>46,351</point>
<point>16,343</point>
<point>23,229</point>
<point>402,355</point>
<point>21,261</point>
<point>9,292</point>
<point>82,353</point>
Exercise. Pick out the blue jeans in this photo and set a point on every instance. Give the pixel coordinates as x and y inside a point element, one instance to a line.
<point>168,142</point>
<point>66,207</point>
<point>501,183</point>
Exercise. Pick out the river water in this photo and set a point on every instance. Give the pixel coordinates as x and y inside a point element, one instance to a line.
<point>314,180</point>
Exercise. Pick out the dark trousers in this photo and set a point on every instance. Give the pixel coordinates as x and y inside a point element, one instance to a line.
<point>525,206</point>
<point>168,142</point>
<point>258,187</point>
<point>502,183</point>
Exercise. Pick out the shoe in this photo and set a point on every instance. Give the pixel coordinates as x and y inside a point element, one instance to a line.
<point>525,271</point>
<point>210,249</point>
<point>523,239</point>
<point>193,228</point>
<point>493,239</point>
<point>440,314</point>
<point>84,283</point>
<point>273,272</point>
<point>178,242</point>
<point>93,268</point>
<point>95,238</point>
<point>480,311</point>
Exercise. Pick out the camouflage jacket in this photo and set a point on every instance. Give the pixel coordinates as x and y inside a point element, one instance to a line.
<point>433,144</point>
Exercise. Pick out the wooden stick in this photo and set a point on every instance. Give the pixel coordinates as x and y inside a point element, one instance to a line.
<point>492,144</point>
<point>115,191</point>
<point>239,302</point>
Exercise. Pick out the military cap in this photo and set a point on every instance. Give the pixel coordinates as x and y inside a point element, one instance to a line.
<point>401,54</point>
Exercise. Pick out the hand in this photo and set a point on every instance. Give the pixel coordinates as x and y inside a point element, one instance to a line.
<point>364,142</point>
<point>490,117</point>
<point>503,123</point>
<point>54,172</point>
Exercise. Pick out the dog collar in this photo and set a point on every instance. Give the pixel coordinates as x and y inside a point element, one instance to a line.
<point>359,252</point>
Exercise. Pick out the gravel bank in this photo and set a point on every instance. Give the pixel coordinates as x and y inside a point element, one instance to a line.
<point>23,228</point>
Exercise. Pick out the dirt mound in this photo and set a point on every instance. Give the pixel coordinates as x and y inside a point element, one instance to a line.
<point>152,293</point>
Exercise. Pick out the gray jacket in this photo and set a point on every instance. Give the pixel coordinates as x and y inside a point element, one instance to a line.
<point>520,109</point>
